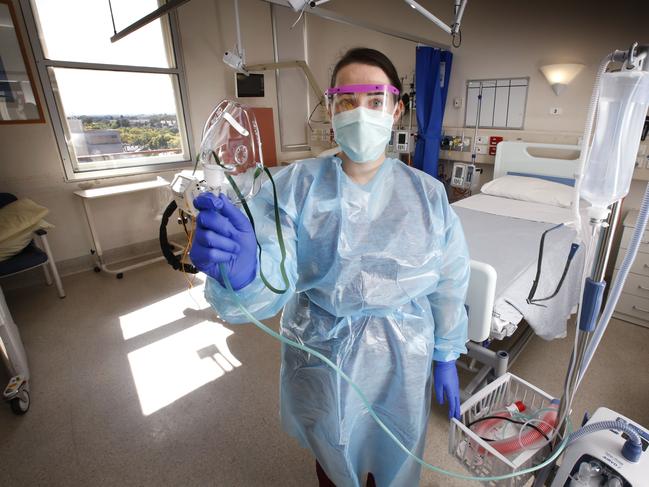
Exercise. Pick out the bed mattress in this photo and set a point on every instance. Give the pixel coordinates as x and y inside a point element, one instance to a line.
<point>505,233</point>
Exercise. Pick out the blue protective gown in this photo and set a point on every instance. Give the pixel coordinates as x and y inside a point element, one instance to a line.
<point>378,276</point>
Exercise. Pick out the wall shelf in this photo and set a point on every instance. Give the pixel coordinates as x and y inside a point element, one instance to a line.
<point>465,156</point>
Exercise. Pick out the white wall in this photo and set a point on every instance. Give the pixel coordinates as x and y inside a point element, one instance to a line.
<point>505,38</point>
<point>501,38</point>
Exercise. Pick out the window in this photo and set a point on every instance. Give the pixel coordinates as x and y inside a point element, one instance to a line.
<point>117,108</point>
<point>503,103</point>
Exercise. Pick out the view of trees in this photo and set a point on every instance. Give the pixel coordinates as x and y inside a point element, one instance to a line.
<point>150,138</point>
<point>140,132</point>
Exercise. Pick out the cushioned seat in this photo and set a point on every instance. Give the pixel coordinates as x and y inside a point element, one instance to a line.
<point>30,256</point>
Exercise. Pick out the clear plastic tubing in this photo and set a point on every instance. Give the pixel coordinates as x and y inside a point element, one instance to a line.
<point>616,289</point>
<point>531,437</point>
<point>484,427</point>
<point>632,449</point>
<point>291,343</point>
<point>621,110</point>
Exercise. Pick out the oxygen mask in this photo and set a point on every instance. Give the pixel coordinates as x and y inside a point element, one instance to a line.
<point>230,152</point>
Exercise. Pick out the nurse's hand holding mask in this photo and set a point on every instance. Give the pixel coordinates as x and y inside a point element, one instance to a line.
<point>224,236</point>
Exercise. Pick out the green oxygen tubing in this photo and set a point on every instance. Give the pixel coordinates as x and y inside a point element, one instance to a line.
<point>558,450</point>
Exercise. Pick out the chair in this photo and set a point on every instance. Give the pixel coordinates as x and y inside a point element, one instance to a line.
<point>32,256</point>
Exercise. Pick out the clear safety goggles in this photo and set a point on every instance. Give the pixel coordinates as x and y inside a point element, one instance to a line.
<point>382,98</point>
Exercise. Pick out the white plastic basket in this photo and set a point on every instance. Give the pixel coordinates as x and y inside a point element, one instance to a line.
<point>476,454</point>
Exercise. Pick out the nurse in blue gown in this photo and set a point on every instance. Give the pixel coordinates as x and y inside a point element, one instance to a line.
<point>378,270</point>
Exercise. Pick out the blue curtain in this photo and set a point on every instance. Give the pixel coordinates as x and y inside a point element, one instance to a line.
<point>431,100</point>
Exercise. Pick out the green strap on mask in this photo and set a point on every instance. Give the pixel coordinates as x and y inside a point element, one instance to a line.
<point>278,226</point>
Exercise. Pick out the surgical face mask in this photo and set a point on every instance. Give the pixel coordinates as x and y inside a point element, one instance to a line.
<point>362,133</point>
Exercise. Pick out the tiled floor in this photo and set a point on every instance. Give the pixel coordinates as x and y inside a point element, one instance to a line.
<point>177,399</point>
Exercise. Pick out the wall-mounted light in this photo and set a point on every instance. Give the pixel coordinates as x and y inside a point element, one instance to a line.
<point>561,75</point>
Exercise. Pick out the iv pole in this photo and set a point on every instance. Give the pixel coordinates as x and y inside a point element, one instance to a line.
<point>636,57</point>
<point>477,126</point>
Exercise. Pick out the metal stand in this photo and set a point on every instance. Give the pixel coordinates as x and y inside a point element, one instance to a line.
<point>88,194</point>
<point>52,272</point>
<point>477,127</point>
<point>495,363</point>
<point>604,243</point>
<point>603,250</point>
<point>14,360</point>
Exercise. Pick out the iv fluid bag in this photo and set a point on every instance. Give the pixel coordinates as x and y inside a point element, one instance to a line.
<point>231,145</point>
<point>621,112</point>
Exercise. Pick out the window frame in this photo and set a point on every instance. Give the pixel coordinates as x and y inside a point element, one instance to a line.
<point>42,66</point>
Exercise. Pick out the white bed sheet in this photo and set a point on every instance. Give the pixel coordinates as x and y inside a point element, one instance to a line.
<point>505,233</point>
<point>525,210</point>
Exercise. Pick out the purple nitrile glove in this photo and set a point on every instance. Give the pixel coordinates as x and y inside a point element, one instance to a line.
<point>224,235</point>
<point>447,385</point>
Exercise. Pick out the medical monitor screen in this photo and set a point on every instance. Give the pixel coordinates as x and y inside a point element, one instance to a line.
<point>402,138</point>
<point>458,172</point>
<point>250,86</point>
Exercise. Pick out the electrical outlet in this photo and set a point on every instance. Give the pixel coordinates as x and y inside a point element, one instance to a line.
<point>482,149</point>
<point>555,111</point>
<point>482,140</point>
<point>457,102</point>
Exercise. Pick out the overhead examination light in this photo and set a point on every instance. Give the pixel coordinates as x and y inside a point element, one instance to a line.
<point>235,61</point>
<point>236,58</point>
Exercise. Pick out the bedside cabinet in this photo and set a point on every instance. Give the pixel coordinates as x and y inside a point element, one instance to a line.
<point>633,305</point>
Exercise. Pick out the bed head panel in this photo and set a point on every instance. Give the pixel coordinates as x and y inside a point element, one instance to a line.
<point>551,160</point>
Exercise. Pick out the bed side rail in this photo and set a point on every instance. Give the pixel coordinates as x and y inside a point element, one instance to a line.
<point>480,300</point>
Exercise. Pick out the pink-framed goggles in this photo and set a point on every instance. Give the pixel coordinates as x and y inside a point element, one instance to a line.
<point>383,98</point>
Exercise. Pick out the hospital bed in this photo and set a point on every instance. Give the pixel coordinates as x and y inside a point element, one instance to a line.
<point>503,236</point>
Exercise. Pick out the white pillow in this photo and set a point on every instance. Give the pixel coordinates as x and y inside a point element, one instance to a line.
<point>530,189</point>
<point>20,216</point>
<point>13,245</point>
